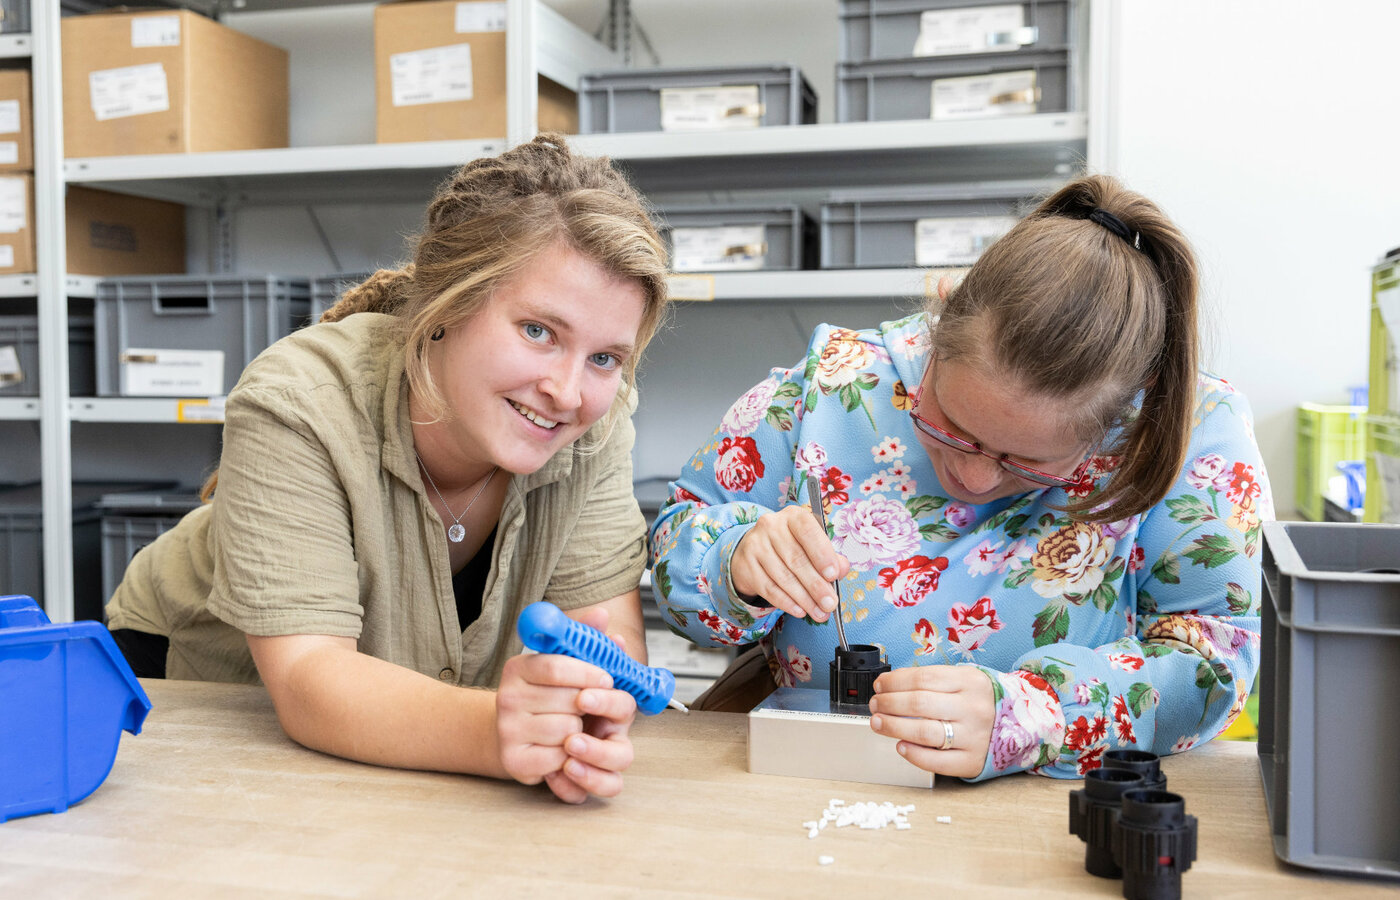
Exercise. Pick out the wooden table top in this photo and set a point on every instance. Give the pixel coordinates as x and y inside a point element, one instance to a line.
<point>213,800</point>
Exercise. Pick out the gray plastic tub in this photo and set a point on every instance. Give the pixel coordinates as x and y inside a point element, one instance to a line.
<point>630,99</point>
<point>877,227</point>
<point>241,316</point>
<point>789,233</point>
<point>326,290</point>
<point>22,333</point>
<point>886,90</point>
<point>1330,674</point>
<point>130,521</point>
<point>889,29</point>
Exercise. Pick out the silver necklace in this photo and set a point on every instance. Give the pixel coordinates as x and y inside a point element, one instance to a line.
<point>456,532</point>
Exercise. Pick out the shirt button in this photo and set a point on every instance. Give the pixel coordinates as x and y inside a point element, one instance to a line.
<point>447,675</point>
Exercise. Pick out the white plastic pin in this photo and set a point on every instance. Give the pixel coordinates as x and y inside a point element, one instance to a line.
<point>825,860</point>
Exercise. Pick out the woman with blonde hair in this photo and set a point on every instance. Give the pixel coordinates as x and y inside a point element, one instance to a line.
<point>450,444</point>
<point>1040,511</point>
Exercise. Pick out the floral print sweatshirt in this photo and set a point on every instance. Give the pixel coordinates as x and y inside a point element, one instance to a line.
<point>1142,633</point>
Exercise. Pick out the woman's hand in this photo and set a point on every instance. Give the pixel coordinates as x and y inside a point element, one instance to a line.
<point>912,704</point>
<point>788,560</point>
<point>559,720</point>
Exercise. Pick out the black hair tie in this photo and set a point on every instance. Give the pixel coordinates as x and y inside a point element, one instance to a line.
<point>1115,225</point>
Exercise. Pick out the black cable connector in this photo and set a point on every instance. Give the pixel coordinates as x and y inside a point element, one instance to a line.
<point>853,674</point>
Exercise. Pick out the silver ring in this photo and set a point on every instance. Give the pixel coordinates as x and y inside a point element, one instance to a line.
<point>947,735</point>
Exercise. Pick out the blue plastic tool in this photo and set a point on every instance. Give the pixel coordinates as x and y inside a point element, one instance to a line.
<point>543,627</point>
<point>66,695</point>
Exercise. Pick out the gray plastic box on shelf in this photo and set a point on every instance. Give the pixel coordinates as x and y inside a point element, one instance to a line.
<point>725,237</point>
<point>1330,674</point>
<point>326,290</point>
<point>20,333</point>
<point>630,99</point>
<point>889,90</point>
<point>890,29</point>
<point>14,16</point>
<point>239,316</point>
<point>130,521</point>
<point>879,227</point>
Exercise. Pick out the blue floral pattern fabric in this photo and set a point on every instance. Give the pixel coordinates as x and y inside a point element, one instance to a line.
<point>1142,633</point>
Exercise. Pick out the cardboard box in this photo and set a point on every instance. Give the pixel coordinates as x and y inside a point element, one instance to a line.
<point>440,74</point>
<point>168,82</point>
<point>16,127</point>
<point>16,223</point>
<point>117,234</point>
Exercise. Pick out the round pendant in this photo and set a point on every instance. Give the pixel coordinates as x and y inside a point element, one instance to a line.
<point>456,533</point>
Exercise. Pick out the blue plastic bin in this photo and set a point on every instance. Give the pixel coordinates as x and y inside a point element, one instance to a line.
<point>66,695</point>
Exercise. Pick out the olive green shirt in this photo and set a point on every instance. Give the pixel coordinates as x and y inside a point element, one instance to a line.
<point>321,525</point>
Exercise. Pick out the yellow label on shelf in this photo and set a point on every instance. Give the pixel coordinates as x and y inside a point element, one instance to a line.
<point>200,411</point>
<point>691,287</point>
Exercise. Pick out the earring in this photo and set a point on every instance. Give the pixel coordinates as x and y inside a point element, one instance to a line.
<point>437,335</point>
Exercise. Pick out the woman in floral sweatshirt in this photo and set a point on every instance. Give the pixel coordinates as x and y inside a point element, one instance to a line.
<point>1039,509</point>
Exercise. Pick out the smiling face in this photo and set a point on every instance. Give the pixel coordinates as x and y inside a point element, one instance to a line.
<point>1002,419</point>
<point>535,368</point>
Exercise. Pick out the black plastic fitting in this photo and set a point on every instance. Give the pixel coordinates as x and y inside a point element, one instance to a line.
<point>1094,813</point>
<point>1146,764</point>
<point>1156,843</point>
<point>853,674</point>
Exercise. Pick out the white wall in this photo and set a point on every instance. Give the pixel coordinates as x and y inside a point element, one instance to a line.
<point>1268,131</point>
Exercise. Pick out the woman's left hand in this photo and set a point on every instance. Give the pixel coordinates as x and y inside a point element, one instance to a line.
<point>912,705</point>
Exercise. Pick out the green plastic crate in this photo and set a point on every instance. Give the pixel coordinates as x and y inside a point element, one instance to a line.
<point>1327,435</point>
<point>1384,397</point>
<point>1382,440</point>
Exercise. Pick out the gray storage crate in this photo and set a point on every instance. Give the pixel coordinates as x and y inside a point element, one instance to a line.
<point>1330,673</point>
<point>326,290</point>
<point>242,316</point>
<point>889,29</point>
<point>887,90</point>
<point>789,233</point>
<point>132,520</point>
<point>22,333</point>
<point>14,16</point>
<point>630,99</point>
<point>877,227</point>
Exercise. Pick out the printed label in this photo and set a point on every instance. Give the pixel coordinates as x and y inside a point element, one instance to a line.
<point>155,31</point>
<point>10,371</point>
<point>690,287</point>
<point>719,248</point>
<point>710,108</point>
<point>7,256</point>
<point>9,153</point>
<point>983,29</point>
<point>436,75</point>
<point>984,96</point>
<point>14,205</point>
<point>480,17</point>
<point>956,240</point>
<point>200,411</point>
<point>9,117</point>
<point>172,373</point>
<point>129,91</point>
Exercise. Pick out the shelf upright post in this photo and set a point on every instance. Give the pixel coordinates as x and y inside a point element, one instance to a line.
<point>55,432</point>
<point>522,68</point>
<point>1101,97</point>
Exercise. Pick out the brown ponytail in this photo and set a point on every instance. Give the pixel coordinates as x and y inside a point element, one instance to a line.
<point>382,292</point>
<point>1071,307</point>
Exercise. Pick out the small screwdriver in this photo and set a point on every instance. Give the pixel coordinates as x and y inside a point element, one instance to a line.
<point>544,628</point>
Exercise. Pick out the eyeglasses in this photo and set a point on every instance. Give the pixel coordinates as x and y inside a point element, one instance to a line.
<point>1020,470</point>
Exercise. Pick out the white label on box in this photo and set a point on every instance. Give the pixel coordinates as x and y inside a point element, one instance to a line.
<point>480,17</point>
<point>956,240</point>
<point>200,411</point>
<point>690,287</point>
<point>710,108</point>
<point>14,205</point>
<point>9,117</point>
<point>983,29</point>
<point>720,248</point>
<point>172,373</point>
<point>155,31</point>
<point>9,153</point>
<point>129,91</point>
<point>983,96</point>
<point>436,75</point>
<point>7,256</point>
<point>10,371</point>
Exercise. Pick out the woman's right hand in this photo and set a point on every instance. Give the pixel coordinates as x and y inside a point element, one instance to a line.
<point>787,560</point>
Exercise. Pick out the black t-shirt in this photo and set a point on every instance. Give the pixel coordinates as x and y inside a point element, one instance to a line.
<point>469,584</point>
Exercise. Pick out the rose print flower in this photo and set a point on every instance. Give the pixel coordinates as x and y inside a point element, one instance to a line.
<point>984,559</point>
<point>913,579</point>
<point>1207,471</point>
<point>1189,631</point>
<point>1136,559</point>
<point>925,638</point>
<point>1083,693</point>
<point>970,626</point>
<point>1243,515</point>
<point>1015,555</point>
<point>1028,716</point>
<point>1098,729</point>
<point>1125,661</point>
<point>900,399</point>
<point>842,360</point>
<point>702,584</point>
<point>1123,721</point>
<point>875,483</point>
<point>877,531</point>
<point>1090,759</point>
<point>1186,743</point>
<point>739,465</point>
<point>748,411</point>
<point>1118,529</point>
<point>888,450</point>
<point>1243,484</point>
<point>1077,734</point>
<point>811,459</point>
<point>833,484</point>
<point>793,667</point>
<point>908,488</point>
<point>681,495</point>
<point>1227,639</point>
<point>959,515</point>
<point>1071,560</point>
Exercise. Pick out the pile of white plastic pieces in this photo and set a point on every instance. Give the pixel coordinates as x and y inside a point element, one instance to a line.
<point>862,815</point>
